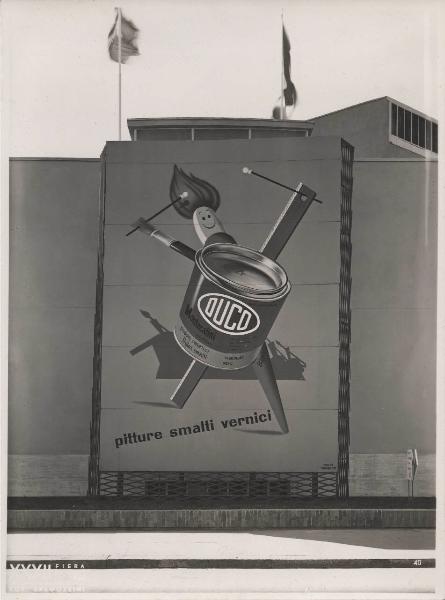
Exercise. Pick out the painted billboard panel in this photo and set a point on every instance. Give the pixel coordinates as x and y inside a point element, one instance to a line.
<point>154,266</point>
<point>227,423</point>
<point>154,439</point>
<point>306,378</point>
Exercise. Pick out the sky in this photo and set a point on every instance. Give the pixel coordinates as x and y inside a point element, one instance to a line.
<point>219,58</point>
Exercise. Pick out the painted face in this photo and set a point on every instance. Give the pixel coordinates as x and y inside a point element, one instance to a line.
<point>205,217</point>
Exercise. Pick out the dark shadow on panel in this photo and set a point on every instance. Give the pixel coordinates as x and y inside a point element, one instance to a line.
<point>159,404</point>
<point>259,431</point>
<point>173,362</point>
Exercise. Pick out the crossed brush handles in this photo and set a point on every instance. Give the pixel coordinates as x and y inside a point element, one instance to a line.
<point>144,224</point>
<point>184,195</point>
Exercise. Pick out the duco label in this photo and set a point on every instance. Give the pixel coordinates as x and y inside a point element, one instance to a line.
<point>228,315</point>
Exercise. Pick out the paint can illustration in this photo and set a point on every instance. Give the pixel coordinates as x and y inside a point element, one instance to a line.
<point>232,300</point>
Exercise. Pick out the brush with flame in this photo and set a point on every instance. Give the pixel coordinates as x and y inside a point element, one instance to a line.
<point>235,293</point>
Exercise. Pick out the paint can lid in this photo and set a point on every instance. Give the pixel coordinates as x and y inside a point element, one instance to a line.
<point>243,270</point>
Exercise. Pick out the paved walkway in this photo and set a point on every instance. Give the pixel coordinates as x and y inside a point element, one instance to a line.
<point>273,544</point>
<point>71,548</point>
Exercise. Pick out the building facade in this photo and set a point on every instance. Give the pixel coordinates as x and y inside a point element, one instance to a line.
<point>393,291</point>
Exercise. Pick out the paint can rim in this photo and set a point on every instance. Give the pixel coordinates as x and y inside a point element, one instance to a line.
<point>254,257</point>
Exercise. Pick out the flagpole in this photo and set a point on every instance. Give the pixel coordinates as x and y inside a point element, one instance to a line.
<point>119,25</point>
<point>282,109</point>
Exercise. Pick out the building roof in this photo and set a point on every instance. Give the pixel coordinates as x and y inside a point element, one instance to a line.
<point>388,98</point>
<point>215,123</point>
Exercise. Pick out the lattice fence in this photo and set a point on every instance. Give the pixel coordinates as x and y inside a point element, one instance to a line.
<point>219,485</point>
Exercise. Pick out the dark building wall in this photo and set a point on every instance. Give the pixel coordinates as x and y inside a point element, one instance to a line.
<point>53,241</point>
<point>365,126</point>
<point>52,280</point>
<point>394,261</point>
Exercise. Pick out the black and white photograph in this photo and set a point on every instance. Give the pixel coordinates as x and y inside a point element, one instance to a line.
<point>221,284</point>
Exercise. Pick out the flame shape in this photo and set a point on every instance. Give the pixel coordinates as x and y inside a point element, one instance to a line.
<point>200,193</point>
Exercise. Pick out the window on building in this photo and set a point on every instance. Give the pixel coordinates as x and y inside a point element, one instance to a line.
<point>407,135</point>
<point>394,119</point>
<point>421,132</point>
<point>413,128</point>
<point>428,135</point>
<point>400,122</point>
<point>415,132</point>
<point>434,138</point>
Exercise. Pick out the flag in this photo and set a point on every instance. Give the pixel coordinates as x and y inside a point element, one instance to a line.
<point>290,93</point>
<point>129,33</point>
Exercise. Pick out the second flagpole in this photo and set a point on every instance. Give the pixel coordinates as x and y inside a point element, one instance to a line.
<point>119,29</point>
<point>282,106</point>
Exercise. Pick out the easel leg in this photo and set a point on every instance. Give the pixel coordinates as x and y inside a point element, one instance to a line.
<point>188,383</point>
<point>264,371</point>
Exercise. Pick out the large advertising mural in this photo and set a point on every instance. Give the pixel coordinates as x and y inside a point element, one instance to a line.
<point>218,321</point>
